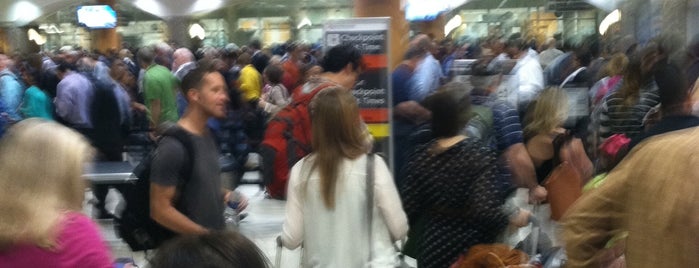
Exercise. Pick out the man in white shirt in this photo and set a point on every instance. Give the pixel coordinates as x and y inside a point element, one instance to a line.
<point>528,79</point>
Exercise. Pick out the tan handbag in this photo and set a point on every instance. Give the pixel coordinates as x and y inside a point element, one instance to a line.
<point>564,184</point>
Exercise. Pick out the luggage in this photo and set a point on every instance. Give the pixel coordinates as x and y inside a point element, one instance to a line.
<point>535,250</point>
<point>573,169</point>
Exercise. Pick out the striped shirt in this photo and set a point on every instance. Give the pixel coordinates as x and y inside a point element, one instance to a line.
<point>617,119</point>
<point>506,126</point>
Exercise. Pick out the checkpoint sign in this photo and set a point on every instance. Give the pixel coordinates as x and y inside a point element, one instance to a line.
<point>370,36</point>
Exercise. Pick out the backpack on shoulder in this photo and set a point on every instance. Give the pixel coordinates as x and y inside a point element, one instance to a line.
<point>134,225</point>
<point>480,126</point>
<point>287,140</point>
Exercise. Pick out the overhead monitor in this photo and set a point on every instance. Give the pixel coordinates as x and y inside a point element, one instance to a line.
<point>97,17</point>
<point>422,10</point>
<point>427,10</point>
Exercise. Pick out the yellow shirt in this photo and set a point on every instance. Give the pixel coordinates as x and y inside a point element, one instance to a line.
<point>250,82</point>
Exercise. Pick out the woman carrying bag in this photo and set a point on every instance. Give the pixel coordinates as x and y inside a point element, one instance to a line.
<point>328,206</point>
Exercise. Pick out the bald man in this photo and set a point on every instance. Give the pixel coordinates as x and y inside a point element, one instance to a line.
<point>428,74</point>
<point>182,63</point>
<point>550,54</point>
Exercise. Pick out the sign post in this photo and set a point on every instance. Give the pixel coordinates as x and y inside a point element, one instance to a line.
<point>373,89</point>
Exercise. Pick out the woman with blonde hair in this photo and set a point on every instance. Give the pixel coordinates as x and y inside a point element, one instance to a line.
<point>41,195</point>
<point>543,123</point>
<point>327,199</point>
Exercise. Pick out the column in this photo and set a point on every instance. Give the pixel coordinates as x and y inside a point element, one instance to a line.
<point>104,40</point>
<point>645,19</point>
<point>399,26</point>
<point>178,31</point>
<point>629,12</point>
<point>674,19</point>
<point>3,41</point>
<point>17,41</point>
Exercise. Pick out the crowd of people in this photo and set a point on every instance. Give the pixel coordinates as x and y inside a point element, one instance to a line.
<point>460,150</point>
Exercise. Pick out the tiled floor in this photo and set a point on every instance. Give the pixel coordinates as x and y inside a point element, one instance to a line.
<point>262,225</point>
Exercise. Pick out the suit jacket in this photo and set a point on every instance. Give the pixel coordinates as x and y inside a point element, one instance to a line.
<point>654,195</point>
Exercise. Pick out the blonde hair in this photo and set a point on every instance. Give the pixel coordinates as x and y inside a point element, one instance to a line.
<point>337,133</point>
<point>549,111</point>
<point>41,164</point>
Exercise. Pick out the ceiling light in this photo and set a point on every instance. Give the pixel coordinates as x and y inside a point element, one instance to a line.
<point>150,6</point>
<point>304,22</point>
<point>36,37</point>
<point>23,12</point>
<point>41,40</point>
<point>452,24</point>
<point>197,31</point>
<point>612,18</point>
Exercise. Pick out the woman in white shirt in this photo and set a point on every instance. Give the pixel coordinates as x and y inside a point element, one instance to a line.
<point>326,207</point>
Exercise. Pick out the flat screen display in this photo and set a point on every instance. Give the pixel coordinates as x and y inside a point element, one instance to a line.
<point>421,10</point>
<point>97,17</point>
<point>427,10</point>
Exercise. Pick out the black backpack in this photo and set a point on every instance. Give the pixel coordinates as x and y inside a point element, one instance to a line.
<point>135,225</point>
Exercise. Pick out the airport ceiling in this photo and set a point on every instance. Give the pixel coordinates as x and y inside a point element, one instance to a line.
<point>22,12</point>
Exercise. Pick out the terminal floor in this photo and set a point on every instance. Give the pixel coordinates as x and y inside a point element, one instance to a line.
<point>262,225</point>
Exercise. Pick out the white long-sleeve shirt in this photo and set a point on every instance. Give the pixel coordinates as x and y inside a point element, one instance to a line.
<point>527,82</point>
<point>340,237</point>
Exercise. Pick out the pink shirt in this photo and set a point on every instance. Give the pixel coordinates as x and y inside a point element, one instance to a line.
<point>79,245</point>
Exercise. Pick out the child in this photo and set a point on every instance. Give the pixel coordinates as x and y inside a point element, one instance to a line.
<point>277,96</point>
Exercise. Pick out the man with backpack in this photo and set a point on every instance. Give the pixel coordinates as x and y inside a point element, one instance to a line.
<point>288,135</point>
<point>192,201</point>
<point>496,123</point>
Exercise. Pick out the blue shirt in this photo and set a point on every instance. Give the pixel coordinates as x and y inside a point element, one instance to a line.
<point>506,127</point>
<point>11,91</point>
<point>426,79</point>
<point>401,84</point>
<point>74,96</point>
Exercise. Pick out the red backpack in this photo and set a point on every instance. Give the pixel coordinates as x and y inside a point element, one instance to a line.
<point>287,140</point>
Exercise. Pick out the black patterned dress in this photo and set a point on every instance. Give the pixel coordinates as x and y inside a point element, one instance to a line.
<point>456,193</point>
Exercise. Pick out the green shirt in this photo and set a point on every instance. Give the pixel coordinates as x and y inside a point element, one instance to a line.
<point>160,84</point>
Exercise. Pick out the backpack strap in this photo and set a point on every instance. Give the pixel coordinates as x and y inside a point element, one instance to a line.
<point>184,137</point>
<point>559,142</point>
<point>370,200</point>
<point>306,98</point>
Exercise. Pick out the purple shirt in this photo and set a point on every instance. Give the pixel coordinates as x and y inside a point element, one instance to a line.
<point>79,245</point>
<point>73,98</point>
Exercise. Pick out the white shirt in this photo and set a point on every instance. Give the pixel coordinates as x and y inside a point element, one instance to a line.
<point>340,237</point>
<point>527,82</point>
<point>426,78</point>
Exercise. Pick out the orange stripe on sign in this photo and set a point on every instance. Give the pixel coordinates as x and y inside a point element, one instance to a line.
<point>375,61</point>
<point>377,115</point>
